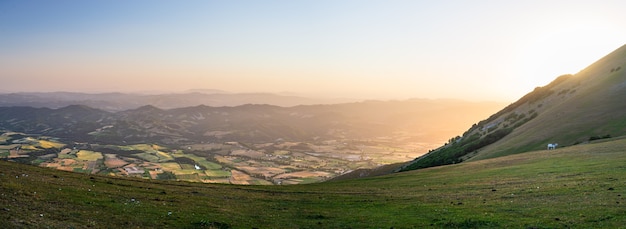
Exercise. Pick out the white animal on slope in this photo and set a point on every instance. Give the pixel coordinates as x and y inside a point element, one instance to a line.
<point>552,145</point>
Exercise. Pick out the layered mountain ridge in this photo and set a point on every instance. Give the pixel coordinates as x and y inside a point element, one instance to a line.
<point>246,123</point>
<point>114,102</point>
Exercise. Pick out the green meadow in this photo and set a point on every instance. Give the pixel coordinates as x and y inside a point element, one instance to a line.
<point>582,186</point>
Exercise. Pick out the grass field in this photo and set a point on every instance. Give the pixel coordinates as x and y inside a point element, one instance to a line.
<point>67,154</point>
<point>151,157</point>
<point>142,147</point>
<point>200,160</point>
<point>170,166</point>
<point>186,171</point>
<point>87,155</point>
<point>163,156</point>
<point>581,186</point>
<point>217,173</point>
<point>46,144</point>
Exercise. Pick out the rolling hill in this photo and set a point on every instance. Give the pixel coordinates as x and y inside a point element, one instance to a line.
<point>571,110</point>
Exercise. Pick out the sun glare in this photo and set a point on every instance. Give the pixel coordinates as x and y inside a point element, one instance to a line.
<point>566,46</point>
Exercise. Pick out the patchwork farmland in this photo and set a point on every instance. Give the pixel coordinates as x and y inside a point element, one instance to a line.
<point>269,163</point>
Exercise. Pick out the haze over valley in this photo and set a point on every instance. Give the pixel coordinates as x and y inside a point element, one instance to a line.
<point>312,114</point>
<point>245,144</point>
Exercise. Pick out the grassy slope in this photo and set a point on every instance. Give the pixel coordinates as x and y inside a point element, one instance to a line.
<point>570,110</point>
<point>579,186</point>
<point>595,108</point>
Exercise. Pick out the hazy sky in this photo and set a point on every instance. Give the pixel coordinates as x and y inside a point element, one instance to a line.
<point>477,50</point>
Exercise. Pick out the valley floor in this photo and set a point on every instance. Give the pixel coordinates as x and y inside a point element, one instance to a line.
<point>278,162</point>
<point>581,186</point>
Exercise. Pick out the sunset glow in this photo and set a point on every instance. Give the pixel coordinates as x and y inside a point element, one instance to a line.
<point>478,50</point>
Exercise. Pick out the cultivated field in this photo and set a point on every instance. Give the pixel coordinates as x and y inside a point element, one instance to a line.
<point>280,162</point>
<point>112,161</point>
<point>575,187</point>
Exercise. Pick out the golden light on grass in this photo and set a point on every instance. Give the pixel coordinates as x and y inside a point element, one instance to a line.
<point>88,155</point>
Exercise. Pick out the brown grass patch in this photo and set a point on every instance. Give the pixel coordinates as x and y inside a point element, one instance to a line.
<point>113,162</point>
<point>16,153</point>
<point>239,177</point>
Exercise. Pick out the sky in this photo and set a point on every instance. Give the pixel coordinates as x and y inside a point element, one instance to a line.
<point>474,50</point>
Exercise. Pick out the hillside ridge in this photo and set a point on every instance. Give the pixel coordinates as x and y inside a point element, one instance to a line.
<point>570,110</point>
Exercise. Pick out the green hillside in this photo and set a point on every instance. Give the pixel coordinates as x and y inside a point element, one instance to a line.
<point>572,109</point>
<point>583,107</point>
<point>580,186</point>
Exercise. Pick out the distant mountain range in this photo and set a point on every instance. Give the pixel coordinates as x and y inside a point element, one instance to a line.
<point>125,101</point>
<point>426,120</point>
